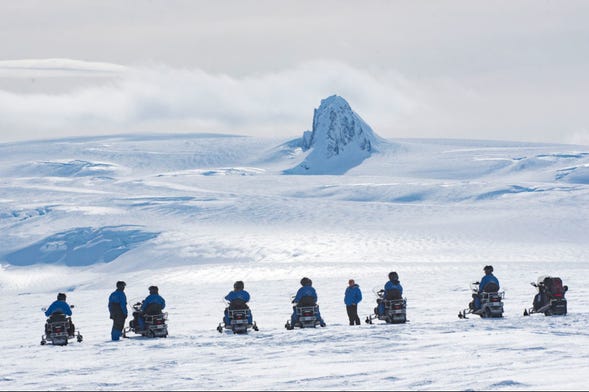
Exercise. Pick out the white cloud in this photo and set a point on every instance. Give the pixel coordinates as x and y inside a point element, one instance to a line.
<point>163,99</point>
<point>57,67</point>
<point>503,105</point>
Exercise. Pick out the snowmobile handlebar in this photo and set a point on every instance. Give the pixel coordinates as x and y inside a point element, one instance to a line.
<point>378,291</point>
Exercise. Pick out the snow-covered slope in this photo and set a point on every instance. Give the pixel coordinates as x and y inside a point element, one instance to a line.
<point>339,141</point>
<point>192,214</point>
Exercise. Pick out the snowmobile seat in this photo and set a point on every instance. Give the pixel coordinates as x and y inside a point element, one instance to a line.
<point>238,304</point>
<point>393,294</point>
<point>307,301</point>
<point>491,287</point>
<point>57,316</point>
<point>153,309</point>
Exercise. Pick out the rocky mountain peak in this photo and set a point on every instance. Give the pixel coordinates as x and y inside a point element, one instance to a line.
<point>340,139</point>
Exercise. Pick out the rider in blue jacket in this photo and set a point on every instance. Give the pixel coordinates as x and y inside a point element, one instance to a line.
<point>59,306</point>
<point>308,291</point>
<point>238,295</point>
<point>488,278</point>
<point>392,290</point>
<point>485,280</point>
<point>152,304</point>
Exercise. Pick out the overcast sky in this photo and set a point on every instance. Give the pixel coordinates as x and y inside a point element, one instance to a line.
<point>510,70</point>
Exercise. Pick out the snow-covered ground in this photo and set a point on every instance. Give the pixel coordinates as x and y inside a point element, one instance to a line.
<point>192,214</point>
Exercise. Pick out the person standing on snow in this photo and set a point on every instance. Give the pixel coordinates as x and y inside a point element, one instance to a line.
<point>117,307</point>
<point>352,298</point>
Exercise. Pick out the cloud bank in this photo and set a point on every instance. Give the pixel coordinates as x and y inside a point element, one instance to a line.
<point>102,98</point>
<point>162,99</point>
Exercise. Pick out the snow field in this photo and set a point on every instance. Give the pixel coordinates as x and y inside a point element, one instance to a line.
<point>435,350</point>
<point>435,211</point>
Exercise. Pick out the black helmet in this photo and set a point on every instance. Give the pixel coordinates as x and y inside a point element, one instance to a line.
<point>393,276</point>
<point>488,269</point>
<point>153,290</point>
<point>121,285</point>
<point>306,282</point>
<point>238,285</point>
<point>61,297</point>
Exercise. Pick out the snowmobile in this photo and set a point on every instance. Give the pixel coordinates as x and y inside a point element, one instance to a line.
<point>155,322</point>
<point>395,308</point>
<point>307,312</point>
<point>550,298</point>
<point>491,302</point>
<point>239,316</point>
<point>59,329</point>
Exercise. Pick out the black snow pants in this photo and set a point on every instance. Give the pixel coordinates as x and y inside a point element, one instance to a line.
<point>353,314</point>
<point>118,324</point>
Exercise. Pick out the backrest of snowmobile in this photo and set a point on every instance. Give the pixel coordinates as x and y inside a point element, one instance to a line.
<point>237,304</point>
<point>153,309</point>
<point>555,288</point>
<point>307,301</point>
<point>57,316</point>
<point>491,287</point>
<point>392,294</point>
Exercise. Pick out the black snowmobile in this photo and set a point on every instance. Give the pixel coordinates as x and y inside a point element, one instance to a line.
<point>307,311</point>
<point>59,329</point>
<point>394,308</point>
<point>550,298</point>
<point>238,314</point>
<point>491,300</point>
<point>155,321</point>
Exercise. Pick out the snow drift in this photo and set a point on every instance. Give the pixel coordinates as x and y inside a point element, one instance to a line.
<point>81,246</point>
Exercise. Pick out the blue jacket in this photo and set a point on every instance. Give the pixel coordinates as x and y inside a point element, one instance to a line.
<point>59,306</point>
<point>353,295</point>
<point>487,279</point>
<point>241,294</point>
<point>305,291</point>
<point>153,299</point>
<point>117,304</point>
<point>392,286</point>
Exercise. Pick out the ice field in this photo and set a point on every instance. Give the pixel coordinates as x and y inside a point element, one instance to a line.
<point>194,213</point>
